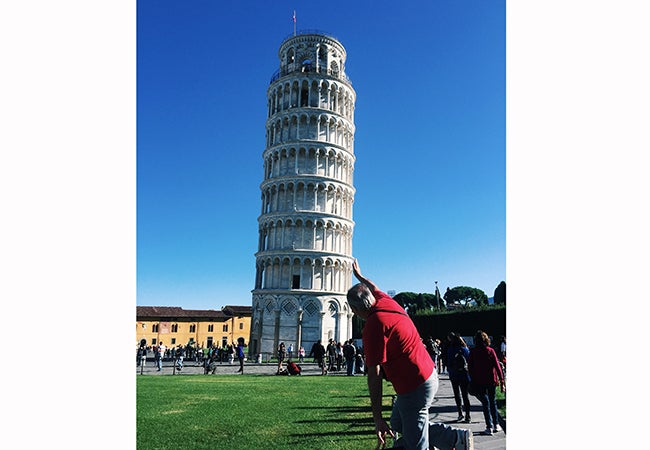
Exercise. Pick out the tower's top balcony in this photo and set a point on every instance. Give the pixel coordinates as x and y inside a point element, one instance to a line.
<point>314,52</point>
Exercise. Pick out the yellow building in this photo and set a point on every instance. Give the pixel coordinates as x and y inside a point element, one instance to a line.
<point>172,326</point>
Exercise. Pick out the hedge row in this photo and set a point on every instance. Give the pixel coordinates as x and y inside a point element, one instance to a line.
<point>464,322</point>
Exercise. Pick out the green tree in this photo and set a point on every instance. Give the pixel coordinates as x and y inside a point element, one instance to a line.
<point>430,301</point>
<point>406,300</point>
<point>413,302</point>
<point>500,294</point>
<point>464,295</point>
<point>419,303</point>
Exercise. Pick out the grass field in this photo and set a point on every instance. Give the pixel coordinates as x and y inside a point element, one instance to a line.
<point>255,412</point>
<point>501,403</point>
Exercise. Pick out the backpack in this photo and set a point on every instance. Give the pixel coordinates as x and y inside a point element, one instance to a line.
<point>460,363</point>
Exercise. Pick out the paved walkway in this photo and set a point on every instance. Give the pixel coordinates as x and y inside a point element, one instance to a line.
<point>443,410</point>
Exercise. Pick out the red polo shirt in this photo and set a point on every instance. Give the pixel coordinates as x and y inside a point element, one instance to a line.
<point>391,339</point>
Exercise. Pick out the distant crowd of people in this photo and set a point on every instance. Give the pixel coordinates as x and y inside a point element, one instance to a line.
<point>208,357</point>
<point>336,357</point>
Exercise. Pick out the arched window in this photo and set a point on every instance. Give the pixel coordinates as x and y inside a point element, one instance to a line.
<point>335,69</point>
<point>322,58</point>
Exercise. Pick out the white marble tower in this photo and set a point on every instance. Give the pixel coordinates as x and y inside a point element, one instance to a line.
<point>304,257</point>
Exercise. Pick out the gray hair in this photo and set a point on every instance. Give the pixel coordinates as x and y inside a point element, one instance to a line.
<point>360,297</point>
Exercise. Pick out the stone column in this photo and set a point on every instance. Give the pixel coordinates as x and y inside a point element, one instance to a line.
<point>299,340</point>
<point>276,331</point>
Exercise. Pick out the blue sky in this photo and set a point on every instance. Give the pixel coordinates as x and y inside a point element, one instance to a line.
<point>430,141</point>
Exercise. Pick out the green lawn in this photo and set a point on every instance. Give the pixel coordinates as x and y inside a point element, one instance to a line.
<point>501,403</point>
<point>255,412</point>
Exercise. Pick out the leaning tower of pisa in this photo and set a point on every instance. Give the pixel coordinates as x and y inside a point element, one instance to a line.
<point>304,257</point>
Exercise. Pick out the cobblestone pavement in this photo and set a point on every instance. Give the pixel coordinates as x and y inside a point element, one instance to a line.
<point>443,410</point>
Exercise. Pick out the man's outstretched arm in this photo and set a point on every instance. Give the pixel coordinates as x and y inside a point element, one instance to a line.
<point>357,273</point>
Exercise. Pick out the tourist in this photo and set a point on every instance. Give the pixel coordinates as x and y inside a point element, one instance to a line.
<point>442,357</point>
<point>318,353</point>
<point>142,355</point>
<point>231,353</point>
<point>401,358</point>
<point>485,374</point>
<point>432,349</point>
<point>349,352</point>
<point>180,353</point>
<point>210,363</point>
<point>160,353</point>
<point>339,356</point>
<point>359,363</point>
<point>331,355</point>
<point>457,355</point>
<point>282,355</point>
<point>501,350</point>
<point>240,354</point>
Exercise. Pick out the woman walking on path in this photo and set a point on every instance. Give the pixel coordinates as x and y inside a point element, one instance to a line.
<point>241,344</point>
<point>485,374</point>
<point>282,355</point>
<point>458,355</point>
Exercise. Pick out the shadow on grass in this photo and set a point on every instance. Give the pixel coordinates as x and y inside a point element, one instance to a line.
<point>342,415</point>
<point>357,421</point>
<point>355,427</point>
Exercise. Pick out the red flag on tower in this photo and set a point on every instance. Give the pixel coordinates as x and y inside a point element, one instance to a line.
<point>294,16</point>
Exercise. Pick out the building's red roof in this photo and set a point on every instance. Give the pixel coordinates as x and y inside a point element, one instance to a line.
<point>232,310</point>
<point>174,312</point>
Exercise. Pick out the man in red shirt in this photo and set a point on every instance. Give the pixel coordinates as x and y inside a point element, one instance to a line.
<point>393,348</point>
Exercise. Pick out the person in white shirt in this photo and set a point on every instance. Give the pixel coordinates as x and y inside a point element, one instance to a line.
<point>159,355</point>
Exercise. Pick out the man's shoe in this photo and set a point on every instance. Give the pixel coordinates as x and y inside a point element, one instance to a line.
<point>488,431</point>
<point>496,428</point>
<point>466,440</point>
<point>460,418</point>
<point>468,419</point>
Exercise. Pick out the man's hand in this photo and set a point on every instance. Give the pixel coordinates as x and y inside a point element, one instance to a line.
<point>356,270</point>
<point>357,273</point>
<point>382,429</point>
